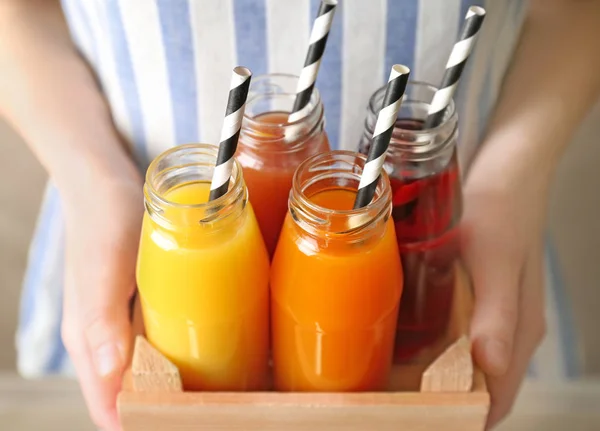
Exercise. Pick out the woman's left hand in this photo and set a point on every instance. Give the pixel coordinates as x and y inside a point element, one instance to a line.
<point>502,243</point>
<point>538,109</point>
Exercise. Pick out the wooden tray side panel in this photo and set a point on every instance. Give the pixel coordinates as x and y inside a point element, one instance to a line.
<point>142,416</point>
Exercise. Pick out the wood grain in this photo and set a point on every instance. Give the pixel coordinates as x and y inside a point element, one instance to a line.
<point>151,371</point>
<point>452,371</point>
<point>303,412</point>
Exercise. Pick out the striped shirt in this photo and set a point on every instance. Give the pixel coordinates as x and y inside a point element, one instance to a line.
<point>165,65</point>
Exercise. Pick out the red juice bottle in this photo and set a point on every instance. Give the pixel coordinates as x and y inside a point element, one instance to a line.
<point>426,208</point>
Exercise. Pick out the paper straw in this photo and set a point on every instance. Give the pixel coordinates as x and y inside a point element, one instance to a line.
<point>456,63</point>
<point>382,135</point>
<point>230,132</point>
<point>316,48</point>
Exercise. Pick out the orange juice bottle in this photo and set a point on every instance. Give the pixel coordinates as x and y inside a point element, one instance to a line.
<point>336,282</point>
<point>271,148</point>
<point>203,274</point>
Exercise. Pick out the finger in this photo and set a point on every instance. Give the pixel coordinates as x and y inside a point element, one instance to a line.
<point>97,334</point>
<point>100,377</point>
<point>495,270</point>
<point>529,334</point>
<point>107,333</point>
<point>99,394</point>
<point>137,321</point>
<point>107,336</point>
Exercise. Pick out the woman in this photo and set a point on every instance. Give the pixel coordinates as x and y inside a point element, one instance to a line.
<point>134,78</point>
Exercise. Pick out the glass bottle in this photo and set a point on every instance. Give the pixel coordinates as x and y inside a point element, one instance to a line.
<point>271,148</point>
<point>203,274</point>
<point>336,281</point>
<point>427,205</point>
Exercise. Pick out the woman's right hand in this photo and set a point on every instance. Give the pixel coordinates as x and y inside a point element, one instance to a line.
<point>49,94</point>
<point>102,234</point>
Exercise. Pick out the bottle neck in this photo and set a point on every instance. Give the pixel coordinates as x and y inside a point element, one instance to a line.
<point>266,126</point>
<point>337,173</point>
<point>409,140</point>
<point>192,165</point>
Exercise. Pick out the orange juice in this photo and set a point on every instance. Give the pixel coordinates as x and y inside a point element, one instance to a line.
<point>335,289</point>
<point>271,148</point>
<point>203,279</point>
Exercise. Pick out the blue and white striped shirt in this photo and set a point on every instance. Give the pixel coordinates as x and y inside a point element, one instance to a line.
<point>164,66</point>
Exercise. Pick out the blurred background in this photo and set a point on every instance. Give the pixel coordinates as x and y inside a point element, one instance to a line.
<point>574,223</point>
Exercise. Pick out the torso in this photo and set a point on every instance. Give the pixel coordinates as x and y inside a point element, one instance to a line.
<point>165,65</point>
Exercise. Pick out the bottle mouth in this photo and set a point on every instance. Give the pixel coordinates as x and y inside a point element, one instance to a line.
<point>415,105</point>
<point>184,165</point>
<point>408,135</point>
<point>335,170</point>
<point>275,94</point>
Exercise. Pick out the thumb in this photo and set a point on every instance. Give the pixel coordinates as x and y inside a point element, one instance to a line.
<point>495,272</point>
<point>107,334</point>
<point>96,332</point>
<point>137,321</point>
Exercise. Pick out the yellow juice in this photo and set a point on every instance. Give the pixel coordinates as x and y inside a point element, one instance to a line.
<point>204,291</point>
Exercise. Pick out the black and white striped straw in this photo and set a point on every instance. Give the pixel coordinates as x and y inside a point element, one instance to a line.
<point>382,135</point>
<point>316,48</point>
<point>454,68</point>
<point>230,132</point>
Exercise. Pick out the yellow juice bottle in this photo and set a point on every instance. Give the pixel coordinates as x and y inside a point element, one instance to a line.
<point>203,274</point>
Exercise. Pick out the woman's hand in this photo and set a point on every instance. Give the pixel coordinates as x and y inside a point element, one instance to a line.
<point>502,243</point>
<point>49,94</point>
<point>103,228</point>
<point>551,84</point>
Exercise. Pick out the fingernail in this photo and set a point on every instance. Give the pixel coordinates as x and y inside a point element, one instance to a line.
<point>107,359</point>
<point>496,353</point>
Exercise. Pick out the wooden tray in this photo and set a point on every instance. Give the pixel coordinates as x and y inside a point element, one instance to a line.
<point>445,392</point>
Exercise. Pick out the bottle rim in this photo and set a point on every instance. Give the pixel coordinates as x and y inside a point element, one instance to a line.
<point>450,114</point>
<point>253,132</point>
<point>236,187</point>
<point>359,218</point>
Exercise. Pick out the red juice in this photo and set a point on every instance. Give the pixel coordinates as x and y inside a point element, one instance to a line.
<point>426,208</point>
